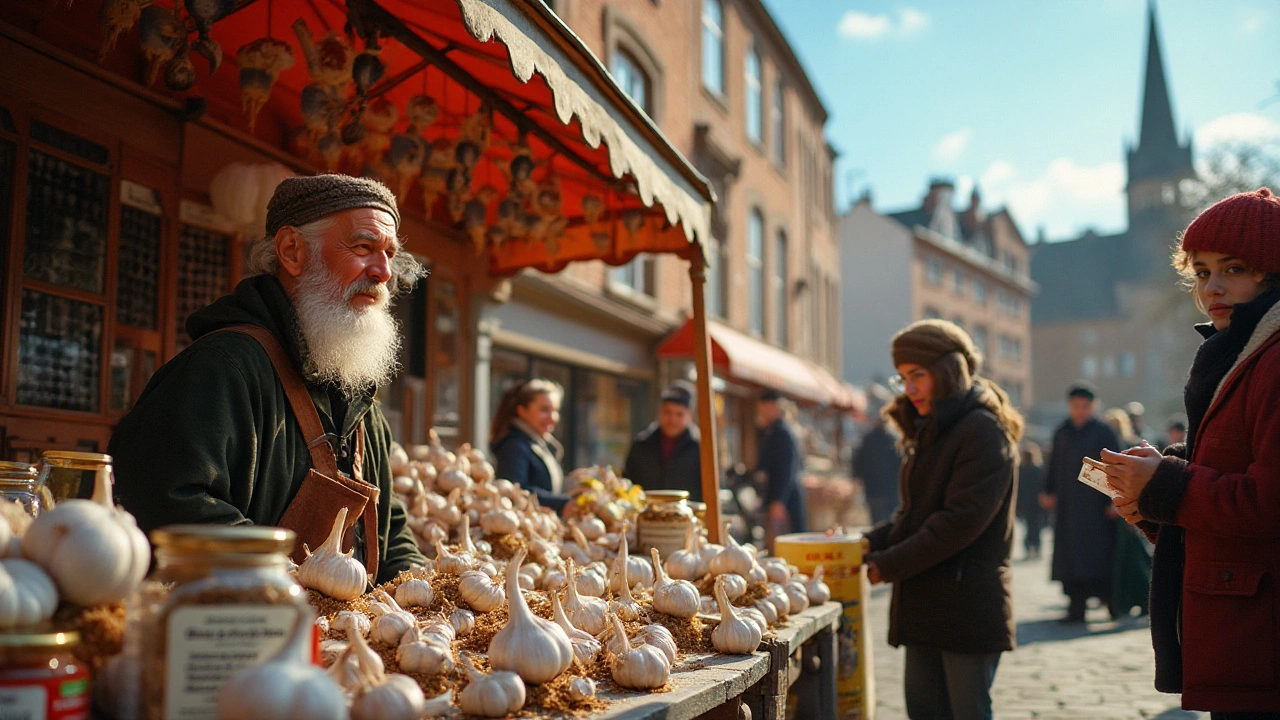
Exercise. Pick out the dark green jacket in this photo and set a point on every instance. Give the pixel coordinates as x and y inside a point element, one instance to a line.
<point>212,439</point>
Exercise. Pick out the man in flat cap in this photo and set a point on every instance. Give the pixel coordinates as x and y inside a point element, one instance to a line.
<point>268,417</point>
<point>666,455</point>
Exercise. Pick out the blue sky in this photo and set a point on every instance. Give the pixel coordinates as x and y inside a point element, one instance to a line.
<point>1032,99</point>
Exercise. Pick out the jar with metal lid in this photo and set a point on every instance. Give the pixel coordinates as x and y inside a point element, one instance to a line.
<point>665,521</point>
<point>69,474</point>
<point>230,603</point>
<point>40,678</point>
<point>18,484</point>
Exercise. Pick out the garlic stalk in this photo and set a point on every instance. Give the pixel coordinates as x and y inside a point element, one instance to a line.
<point>582,688</point>
<point>588,612</point>
<point>447,562</point>
<point>354,662</point>
<point>687,564</point>
<point>734,635</point>
<point>415,592</point>
<point>347,620</point>
<point>388,628</point>
<point>732,559</point>
<point>577,546</point>
<point>678,598</point>
<point>641,668</point>
<point>818,590</point>
<point>496,694</point>
<point>637,569</point>
<point>734,585</point>
<point>331,571</point>
<point>536,649</point>
<point>466,545</point>
<point>585,646</point>
<point>661,638</point>
<point>283,687</point>
<point>480,591</point>
<point>624,605</point>
<point>418,656</point>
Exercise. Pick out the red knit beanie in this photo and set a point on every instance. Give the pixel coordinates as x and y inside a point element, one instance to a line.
<point>1246,226</point>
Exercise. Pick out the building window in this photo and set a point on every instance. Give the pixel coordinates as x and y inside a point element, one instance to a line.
<point>1009,348</point>
<point>980,339</point>
<point>1089,366</point>
<point>713,46</point>
<point>755,272</point>
<point>633,81</point>
<point>933,271</point>
<point>715,278</point>
<point>636,275</point>
<point>931,313</point>
<point>1015,393</point>
<point>780,291</point>
<point>1128,366</point>
<point>957,282</point>
<point>755,105</point>
<point>1109,366</point>
<point>979,292</point>
<point>778,122</point>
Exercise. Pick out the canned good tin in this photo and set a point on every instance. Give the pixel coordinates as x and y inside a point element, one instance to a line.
<point>40,679</point>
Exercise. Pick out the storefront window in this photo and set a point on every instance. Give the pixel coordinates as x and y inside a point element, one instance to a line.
<point>66,236</point>
<point>204,259</point>
<point>607,412</point>
<point>59,352</point>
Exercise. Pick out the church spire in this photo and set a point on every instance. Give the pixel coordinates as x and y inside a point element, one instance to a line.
<point>1157,131</point>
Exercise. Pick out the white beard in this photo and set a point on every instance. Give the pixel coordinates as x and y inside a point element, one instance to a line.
<point>356,350</point>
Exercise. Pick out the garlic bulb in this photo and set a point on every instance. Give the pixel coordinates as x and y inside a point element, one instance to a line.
<point>818,590</point>
<point>732,559</point>
<point>661,638</point>
<point>678,598</point>
<point>590,582</point>
<point>585,646</point>
<point>27,594</point>
<point>553,578</point>
<point>450,515</point>
<point>405,485</point>
<point>734,585</point>
<point>415,592</point>
<point>329,570</point>
<point>354,663</point>
<point>768,613</point>
<point>499,522</point>
<point>525,582</point>
<point>798,595</point>
<point>707,605</point>
<point>592,527</point>
<point>778,596</point>
<point>283,687</point>
<point>624,605</point>
<point>94,553</point>
<point>480,591</point>
<point>495,694</point>
<point>757,574</point>
<point>582,688</point>
<point>447,562</point>
<point>439,631</point>
<point>734,635</point>
<point>776,570</point>
<point>687,564</point>
<point>536,649</point>
<point>641,668</point>
<point>426,658</point>
<point>588,612</point>
<point>453,479</point>
<point>391,697</point>
<point>463,621</point>
<point>391,626</point>
<point>482,471</point>
<point>348,620</point>
<point>531,570</point>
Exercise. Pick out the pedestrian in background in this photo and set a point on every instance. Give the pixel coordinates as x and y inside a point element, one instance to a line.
<point>666,455</point>
<point>1212,506</point>
<point>1030,485</point>
<point>1131,560</point>
<point>876,463</point>
<point>778,467</point>
<point>947,550</point>
<point>1083,532</point>
<point>524,450</point>
<point>1177,431</point>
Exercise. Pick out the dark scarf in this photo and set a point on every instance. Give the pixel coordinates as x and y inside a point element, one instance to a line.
<point>1213,360</point>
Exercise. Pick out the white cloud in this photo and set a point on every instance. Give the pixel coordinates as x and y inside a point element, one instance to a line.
<point>952,145</point>
<point>964,186</point>
<point>1253,23</point>
<point>1236,127</point>
<point>1065,198</point>
<point>857,25</point>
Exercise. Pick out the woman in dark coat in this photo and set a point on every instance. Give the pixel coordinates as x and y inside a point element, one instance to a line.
<point>1212,506</point>
<point>525,451</point>
<point>947,549</point>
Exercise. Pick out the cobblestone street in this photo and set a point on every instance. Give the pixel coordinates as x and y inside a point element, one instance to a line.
<point>1059,672</point>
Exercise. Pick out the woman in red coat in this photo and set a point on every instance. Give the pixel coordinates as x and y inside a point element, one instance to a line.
<point>1213,505</point>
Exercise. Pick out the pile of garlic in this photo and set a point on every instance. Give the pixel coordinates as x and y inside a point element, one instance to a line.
<point>82,552</point>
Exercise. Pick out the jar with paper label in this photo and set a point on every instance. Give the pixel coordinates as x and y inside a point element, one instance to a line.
<point>40,678</point>
<point>230,603</point>
<point>665,521</point>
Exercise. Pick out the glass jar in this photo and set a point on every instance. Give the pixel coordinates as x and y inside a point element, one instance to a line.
<point>230,602</point>
<point>41,678</point>
<point>18,484</point>
<point>665,521</point>
<point>69,474</point>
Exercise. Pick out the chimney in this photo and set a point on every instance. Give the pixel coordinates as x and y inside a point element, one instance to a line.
<point>940,191</point>
<point>975,214</point>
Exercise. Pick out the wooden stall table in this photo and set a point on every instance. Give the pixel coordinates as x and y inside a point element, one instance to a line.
<point>719,686</point>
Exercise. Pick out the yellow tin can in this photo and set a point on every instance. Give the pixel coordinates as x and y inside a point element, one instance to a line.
<point>840,555</point>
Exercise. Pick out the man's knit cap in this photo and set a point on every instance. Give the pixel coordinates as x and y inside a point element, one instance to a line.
<point>301,200</point>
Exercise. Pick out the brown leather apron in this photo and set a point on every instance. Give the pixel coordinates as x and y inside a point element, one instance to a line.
<point>325,490</point>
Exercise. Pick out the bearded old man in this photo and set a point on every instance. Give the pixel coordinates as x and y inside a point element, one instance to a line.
<point>268,417</point>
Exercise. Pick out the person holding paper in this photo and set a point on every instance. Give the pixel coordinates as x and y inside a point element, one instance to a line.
<point>1212,505</point>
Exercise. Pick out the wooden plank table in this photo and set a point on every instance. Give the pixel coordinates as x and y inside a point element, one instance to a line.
<point>716,685</point>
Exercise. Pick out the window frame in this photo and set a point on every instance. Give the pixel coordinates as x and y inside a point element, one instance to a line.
<point>715,28</point>
<point>778,121</point>
<point>754,257</point>
<point>781,329</point>
<point>634,70</point>
<point>753,94</point>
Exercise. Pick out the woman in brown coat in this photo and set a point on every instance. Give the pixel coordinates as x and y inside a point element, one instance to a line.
<point>947,548</point>
<point>1212,506</point>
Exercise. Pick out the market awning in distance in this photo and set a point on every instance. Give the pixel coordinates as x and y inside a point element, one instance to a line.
<point>747,359</point>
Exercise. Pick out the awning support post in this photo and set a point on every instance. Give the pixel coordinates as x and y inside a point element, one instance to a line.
<point>706,407</point>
